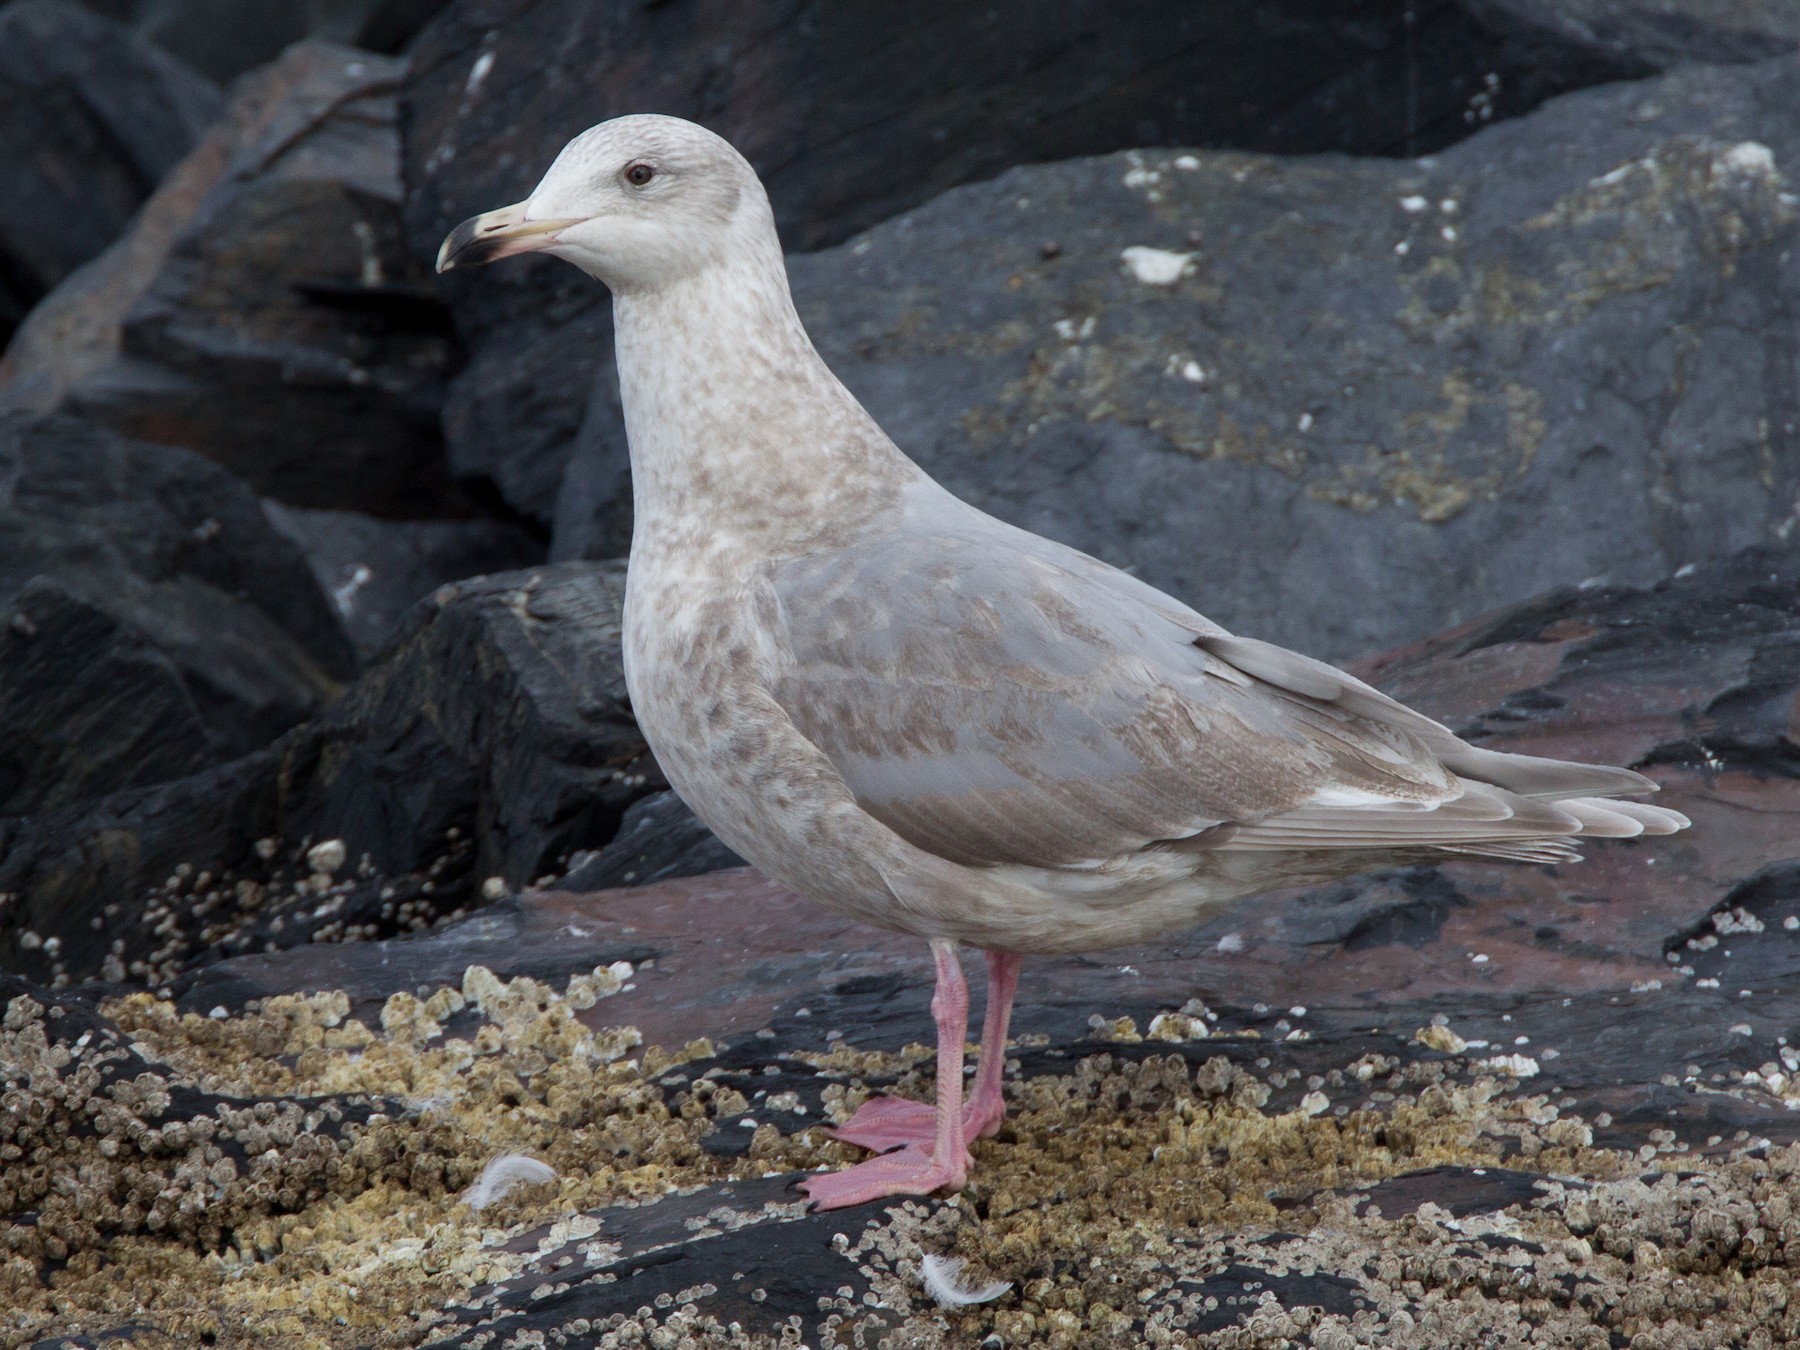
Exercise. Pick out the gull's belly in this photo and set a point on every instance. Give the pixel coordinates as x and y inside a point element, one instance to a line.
<point>695,670</point>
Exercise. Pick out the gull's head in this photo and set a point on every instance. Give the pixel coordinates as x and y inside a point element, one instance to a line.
<point>638,202</point>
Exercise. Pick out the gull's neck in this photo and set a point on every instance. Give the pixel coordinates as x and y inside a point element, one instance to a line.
<point>737,427</point>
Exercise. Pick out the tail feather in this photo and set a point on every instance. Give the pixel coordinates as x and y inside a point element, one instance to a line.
<point>1518,807</point>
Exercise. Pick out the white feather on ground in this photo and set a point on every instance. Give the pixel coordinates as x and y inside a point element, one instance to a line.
<point>943,1280</point>
<point>504,1173</point>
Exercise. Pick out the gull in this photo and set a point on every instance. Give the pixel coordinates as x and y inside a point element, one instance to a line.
<point>927,718</point>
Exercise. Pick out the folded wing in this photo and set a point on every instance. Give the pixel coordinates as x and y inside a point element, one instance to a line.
<point>996,698</point>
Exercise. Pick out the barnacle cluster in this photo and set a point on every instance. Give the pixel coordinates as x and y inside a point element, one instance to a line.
<point>291,1176</point>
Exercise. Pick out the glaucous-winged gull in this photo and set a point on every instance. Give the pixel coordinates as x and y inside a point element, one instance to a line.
<point>922,716</point>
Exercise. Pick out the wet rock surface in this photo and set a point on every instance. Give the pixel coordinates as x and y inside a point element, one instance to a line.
<point>225,38</point>
<point>156,623</point>
<point>658,839</point>
<point>499,710</point>
<point>1555,351</point>
<point>265,311</point>
<point>376,570</point>
<point>1660,33</point>
<point>852,116</point>
<point>490,742</point>
<point>91,117</point>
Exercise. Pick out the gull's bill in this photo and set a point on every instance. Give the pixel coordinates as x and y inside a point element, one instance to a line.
<point>493,235</point>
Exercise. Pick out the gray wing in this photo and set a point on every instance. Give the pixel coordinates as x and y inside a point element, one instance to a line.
<point>995,698</point>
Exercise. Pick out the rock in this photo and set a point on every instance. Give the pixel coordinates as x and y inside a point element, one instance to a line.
<point>110,889</point>
<point>375,570</point>
<point>658,839</point>
<point>263,309</point>
<point>225,38</point>
<point>160,1154</point>
<point>158,624</point>
<point>499,710</point>
<point>91,117</point>
<point>492,738</point>
<point>1658,33</point>
<point>846,135</point>
<point>1380,397</point>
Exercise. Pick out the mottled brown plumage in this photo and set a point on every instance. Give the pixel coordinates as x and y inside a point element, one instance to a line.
<point>937,722</point>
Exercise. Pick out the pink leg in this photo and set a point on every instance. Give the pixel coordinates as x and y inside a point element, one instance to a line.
<point>988,1107</point>
<point>892,1122</point>
<point>913,1170</point>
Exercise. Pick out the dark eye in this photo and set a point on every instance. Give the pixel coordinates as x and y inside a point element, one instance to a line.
<point>639,174</point>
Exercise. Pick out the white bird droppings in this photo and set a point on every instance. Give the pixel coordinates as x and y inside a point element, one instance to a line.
<point>1156,266</point>
<point>479,72</point>
<point>1413,205</point>
<point>504,1173</point>
<point>1750,157</point>
<point>1191,371</point>
<point>943,1280</point>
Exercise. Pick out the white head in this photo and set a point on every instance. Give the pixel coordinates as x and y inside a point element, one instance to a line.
<point>639,202</point>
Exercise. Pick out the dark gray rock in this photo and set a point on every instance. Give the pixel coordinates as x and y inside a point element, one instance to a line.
<point>225,38</point>
<point>1661,33</point>
<point>658,839</point>
<point>375,570</point>
<point>499,709</point>
<point>490,742</point>
<point>158,624</point>
<point>87,885</point>
<point>263,309</point>
<point>1382,396</point>
<point>853,112</point>
<point>91,117</point>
